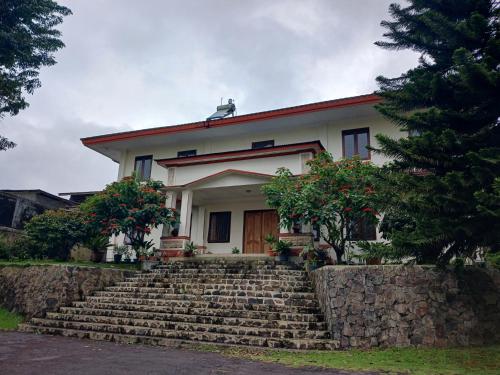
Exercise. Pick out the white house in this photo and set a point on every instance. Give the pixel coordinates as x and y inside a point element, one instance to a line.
<point>214,169</point>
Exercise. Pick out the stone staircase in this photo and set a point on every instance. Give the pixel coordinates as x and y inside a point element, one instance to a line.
<point>236,301</point>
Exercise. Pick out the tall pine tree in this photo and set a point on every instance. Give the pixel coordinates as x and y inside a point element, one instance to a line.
<point>450,106</point>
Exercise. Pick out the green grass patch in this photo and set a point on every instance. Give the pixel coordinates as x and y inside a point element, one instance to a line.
<point>421,361</point>
<point>47,262</point>
<point>9,320</point>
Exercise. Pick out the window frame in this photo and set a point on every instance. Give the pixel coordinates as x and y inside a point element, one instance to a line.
<point>355,133</point>
<point>255,145</point>
<point>210,218</point>
<point>142,159</point>
<point>179,153</point>
<point>364,222</point>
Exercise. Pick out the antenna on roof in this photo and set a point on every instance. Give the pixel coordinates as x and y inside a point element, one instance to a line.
<point>223,110</point>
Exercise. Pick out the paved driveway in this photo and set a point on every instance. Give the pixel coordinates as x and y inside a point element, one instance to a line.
<point>23,353</point>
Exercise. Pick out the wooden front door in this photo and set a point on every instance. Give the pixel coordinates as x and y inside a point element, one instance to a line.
<point>258,225</point>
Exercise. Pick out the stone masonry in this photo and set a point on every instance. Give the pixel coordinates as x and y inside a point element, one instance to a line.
<point>33,291</point>
<point>237,301</point>
<point>369,306</point>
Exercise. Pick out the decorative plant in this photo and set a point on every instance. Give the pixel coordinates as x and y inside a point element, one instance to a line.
<point>332,194</point>
<point>190,249</point>
<point>311,257</point>
<point>130,207</point>
<point>55,232</point>
<point>235,250</point>
<point>98,244</point>
<point>282,247</point>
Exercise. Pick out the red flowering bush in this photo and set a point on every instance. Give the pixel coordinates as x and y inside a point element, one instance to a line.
<point>130,207</point>
<point>333,195</point>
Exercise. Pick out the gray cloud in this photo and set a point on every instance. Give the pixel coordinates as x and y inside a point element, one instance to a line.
<point>130,64</point>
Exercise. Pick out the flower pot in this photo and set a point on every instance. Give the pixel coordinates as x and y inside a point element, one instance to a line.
<point>271,253</point>
<point>296,229</point>
<point>117,258</point>
<point>174,232</point>
<point>142,258</point>
<point>283,257</point>
<point>97,256</point>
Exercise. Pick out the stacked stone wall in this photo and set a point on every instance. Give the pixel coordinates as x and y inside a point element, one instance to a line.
<point>34,290</point>
<point>370,306</point>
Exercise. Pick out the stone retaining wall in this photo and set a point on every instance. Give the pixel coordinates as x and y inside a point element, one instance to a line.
<point>34,290</point>
<point>369,306</point>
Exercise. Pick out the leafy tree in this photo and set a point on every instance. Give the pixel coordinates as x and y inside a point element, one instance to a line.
<point>55,232</point>
<point>333,195</point>
<point>130,207</point>
<point>28,40</point>
<point>450,106</point>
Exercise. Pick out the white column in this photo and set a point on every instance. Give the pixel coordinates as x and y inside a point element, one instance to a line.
<point>200,226</point>
<point>171,200</point>
<point>186,207</point>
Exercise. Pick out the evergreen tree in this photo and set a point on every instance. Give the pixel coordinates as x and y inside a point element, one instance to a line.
<point>28,40</point>
<point>450,106</point>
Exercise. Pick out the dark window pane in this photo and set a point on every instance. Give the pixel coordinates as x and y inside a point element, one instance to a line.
<point>219,227</point>
<point>362,230</point>
<point>362,143</point>
<point>185,154</point>
<point>349,151</point>
<point>143,167</point>
<point>146,171</point>
<point>263,144</point>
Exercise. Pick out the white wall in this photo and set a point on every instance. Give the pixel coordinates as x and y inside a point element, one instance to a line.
<point>237,216</point>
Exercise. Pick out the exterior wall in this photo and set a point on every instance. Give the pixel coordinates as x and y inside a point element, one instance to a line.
<point>370,306</point>
<point>329,133</point>
<point>237,217</point>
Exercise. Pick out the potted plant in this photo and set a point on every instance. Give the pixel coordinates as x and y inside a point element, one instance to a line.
<point>190,249</point>
<point>98,245</point>
<point>118,252</point>
<point>270,240</point>
<point>311,258</point>
<point>175,232</point>
<point>283,250</point>
<point>235,250</point>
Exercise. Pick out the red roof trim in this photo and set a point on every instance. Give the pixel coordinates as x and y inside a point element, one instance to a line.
<point>218,174</point>
<point>267,115</point>
<point>222,157</point>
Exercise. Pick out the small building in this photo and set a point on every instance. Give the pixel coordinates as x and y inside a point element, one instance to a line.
<point>19,206</point>
<point>214,169</point>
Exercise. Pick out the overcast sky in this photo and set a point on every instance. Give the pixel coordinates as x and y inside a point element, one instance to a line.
<point>132,64</point>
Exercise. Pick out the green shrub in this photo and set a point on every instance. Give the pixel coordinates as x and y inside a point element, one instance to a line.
<point>17,248</point>
<point>55,232</point>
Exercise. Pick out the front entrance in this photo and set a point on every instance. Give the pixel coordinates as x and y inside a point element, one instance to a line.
<point>257,226</point>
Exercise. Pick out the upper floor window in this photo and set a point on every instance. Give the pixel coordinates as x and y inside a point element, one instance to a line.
<point>186,153</point>
<point>263,144</point>
<point>142,167</point>
<point>354,143</point>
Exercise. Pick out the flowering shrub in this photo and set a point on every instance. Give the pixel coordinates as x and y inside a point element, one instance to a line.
<point>130,207</point>
<point>333,195</point>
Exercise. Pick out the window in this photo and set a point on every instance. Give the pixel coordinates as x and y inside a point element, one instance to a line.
<point>142,167</point>
<point>263,144</point>
<point>354,143</point>
<point>219,227</point>
<point>185,154</point>
<point>362,230</point>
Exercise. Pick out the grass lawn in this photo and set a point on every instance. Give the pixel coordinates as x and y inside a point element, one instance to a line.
<point>9,320</point>
<point>473,360</point>
<point>37,262</point>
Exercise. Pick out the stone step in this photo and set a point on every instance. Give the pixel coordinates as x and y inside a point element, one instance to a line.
<point>300,344</point>
<point>281,299</point>
<point>264,286</point>
<point>198,311</point>
<point>226,271</point>
<point>194,318</point>
<point>125,324</point>
<point>212,304</point>
<point>212,291</point>
<point>213,276</point>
